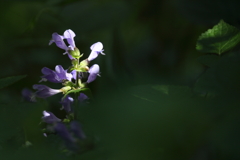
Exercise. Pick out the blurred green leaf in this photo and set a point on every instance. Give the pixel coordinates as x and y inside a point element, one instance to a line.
<point>4,82</point>
<point>222,76</point>
<point>221,38</point>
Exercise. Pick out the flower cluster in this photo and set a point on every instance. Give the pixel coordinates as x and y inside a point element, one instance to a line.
<point>74,80</point>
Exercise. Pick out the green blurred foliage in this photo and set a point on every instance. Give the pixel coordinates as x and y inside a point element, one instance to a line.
<point>157,97</point>
<point>221,38</point>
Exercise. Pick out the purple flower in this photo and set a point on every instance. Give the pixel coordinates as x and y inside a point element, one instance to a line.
<point>96,49</point>
<point>28,95</point>
<point>63,132</point>
<point>76,128</point>
<point>74,74</point>
<point>66,103</point>
<point>82,97</point>
<point>93,73</point>
<point>69,35</point>
<point>58,40</point>
<point>50,118</point>
<point>57,76</point>
<point>44,91</point>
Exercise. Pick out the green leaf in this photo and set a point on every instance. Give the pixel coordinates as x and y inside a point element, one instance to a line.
<point>4,82</point>
<point>163,88</point>
<point>221,38</point>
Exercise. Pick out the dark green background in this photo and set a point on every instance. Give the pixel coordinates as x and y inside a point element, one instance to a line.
<point>147,43</point>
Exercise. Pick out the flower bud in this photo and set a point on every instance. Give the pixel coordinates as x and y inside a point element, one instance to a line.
<point>75,53</point>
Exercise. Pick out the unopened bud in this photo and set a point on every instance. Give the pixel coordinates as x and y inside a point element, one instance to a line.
<point>75,53</point>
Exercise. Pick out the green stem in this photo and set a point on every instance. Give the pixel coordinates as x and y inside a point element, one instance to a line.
<point>76,96</point>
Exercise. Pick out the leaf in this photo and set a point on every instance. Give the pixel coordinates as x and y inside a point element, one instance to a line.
<point>163,88</point>
<point>221,38</point>
<point>222,77</point>
<point>4,82</point>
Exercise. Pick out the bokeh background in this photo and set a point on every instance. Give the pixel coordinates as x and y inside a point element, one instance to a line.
<point>148,44</point>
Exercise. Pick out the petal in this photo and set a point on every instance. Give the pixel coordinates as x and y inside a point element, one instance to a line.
<point>96,49</point>
<point>27,95</point>
<point>44,91</point>
<point>60,72</point>
<point>50,75</point>
<point>93,73</point>
<point>82,97</point>
<point>94,69</point>
<point>52,78</point>
<point>69,76</point>
<point>46,71</point>
<point>70,56</point>
<point>51,41</point>
<point>98,46</point>
<point>50,118</point>
<point>92,55</point>
<point>59,69</point>
<point>45,114</point>
<point>66,103</point>
<point>69,35</point>
<point>58,39</point>
<point>74,74</point>
<point>63,132</point>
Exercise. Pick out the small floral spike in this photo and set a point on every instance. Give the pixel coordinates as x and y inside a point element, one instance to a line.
<point>45,91</point>
<point>96,49</point>
<point>57,76</point>
<point>69,35</point>
<point>50,118</point>
<point>93,73</point>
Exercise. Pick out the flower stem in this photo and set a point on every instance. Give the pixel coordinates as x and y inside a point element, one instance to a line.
<point>77,82</point>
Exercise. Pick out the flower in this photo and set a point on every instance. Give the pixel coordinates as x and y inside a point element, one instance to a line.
<point>27,95</point>
<point>69,35</point>
<point>63,132</point>
<point>76,129</point>
<point>82,97</point>
<point>50,118</point>
<point>96,49</point>
<point>57,76</point>
<point>45,91</point>
<point>58,40</point>
<point>66,103</point>
<point>93,73</point>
